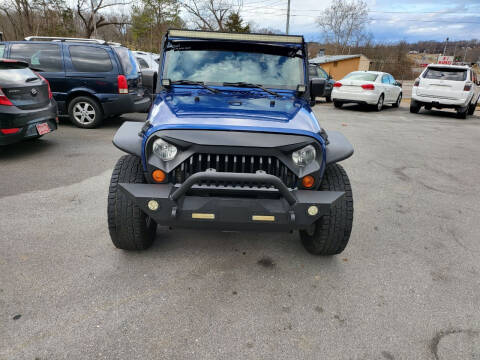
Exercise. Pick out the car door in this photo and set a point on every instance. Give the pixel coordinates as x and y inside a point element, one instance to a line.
<point>92,68</point>
<point>386,87</point>
<point>394,88</point>
<point>47,59</point>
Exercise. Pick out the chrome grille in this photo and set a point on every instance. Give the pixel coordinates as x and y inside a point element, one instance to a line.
<point>235,163</point>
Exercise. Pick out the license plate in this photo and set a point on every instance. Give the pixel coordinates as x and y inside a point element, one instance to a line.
<point>43,128</point>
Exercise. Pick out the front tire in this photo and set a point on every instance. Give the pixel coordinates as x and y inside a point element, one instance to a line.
<point>130,228</point>
<point>85,112</point>
<point>462,113</point>
<point>329,235</point>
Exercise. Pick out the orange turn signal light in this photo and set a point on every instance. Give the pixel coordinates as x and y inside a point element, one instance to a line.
<point>158,176</point>
<point>308,181</point>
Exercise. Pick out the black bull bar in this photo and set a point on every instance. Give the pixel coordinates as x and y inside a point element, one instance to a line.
<point>232,207</point>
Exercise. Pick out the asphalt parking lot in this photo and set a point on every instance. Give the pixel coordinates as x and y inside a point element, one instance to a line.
<point>406,287</point>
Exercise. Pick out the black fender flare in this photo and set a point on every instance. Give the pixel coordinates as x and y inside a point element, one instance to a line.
<point>338,148</point>
<point>127,138</point>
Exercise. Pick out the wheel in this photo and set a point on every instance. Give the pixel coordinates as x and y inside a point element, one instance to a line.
<point>85,112</point>
<point>379,105</point>
<point>329,235</point>
<point>471,108</point>
<point>130,228</point>
<point>462,112</point>
<point>414,107</point>
<point>328,98</point>
<point>399,100</point>
<point>337,104</point>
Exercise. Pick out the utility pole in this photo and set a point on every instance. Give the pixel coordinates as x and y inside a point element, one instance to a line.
<point>445,48</point>
<point>465,56</point>
<point>288,17</point>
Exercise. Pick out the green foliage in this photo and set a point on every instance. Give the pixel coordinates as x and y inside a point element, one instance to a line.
<point>235,23</point>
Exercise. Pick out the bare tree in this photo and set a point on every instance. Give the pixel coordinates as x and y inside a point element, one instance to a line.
<point>211,14</point>
<point>90,14</point>
<point>344,22</point>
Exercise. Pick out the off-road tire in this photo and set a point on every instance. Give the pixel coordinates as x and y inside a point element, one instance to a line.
<point>414,107</point>
<point>92,104</point>
<point>396,104</point>
<point>130,228</point>
<point>337,104</point>
<point>471,108</point>
<point>330,234</point>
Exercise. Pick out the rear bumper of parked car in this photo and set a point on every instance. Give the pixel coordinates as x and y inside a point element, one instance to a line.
<point>11,117</point>
<point>364,97</point>
<point>233,207</point>
<point>127,103</point>
<point>446,102</point>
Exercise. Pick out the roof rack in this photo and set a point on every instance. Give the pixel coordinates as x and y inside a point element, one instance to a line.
<point>58,38</point>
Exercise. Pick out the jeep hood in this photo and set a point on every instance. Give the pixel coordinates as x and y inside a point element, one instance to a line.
<point>227,112</point>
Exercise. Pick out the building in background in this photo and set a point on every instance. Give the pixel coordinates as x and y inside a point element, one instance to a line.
<point>337,66</point>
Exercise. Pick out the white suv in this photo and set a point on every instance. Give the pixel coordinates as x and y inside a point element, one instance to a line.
<point>446,86</point>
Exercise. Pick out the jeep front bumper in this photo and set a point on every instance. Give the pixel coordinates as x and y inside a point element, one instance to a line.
<point>237,208</point>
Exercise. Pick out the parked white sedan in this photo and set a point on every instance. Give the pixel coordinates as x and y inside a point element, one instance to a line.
<point>367,87</point>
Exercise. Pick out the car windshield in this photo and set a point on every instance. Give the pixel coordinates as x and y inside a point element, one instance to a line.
<point>361,76</point>
<point>219,66</point>
<point>446,74</point>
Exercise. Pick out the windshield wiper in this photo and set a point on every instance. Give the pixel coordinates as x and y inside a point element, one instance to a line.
<point>244,84</point>
<point>199,83</point>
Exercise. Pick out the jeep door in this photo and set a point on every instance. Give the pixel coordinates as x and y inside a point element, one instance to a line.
<point>91,68</point>
<point>47,59</point>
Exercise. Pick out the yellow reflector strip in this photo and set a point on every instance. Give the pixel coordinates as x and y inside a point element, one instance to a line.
<point>233,36</point>
<point>203,216</point>
<point>263,218</point>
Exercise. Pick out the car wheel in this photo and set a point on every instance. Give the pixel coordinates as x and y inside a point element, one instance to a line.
<point>414,107</point>
<point>130,228</point>
<point>462,112</point>
<point>337,104</point>
<point>471,108</point>
<point>379,105</point>
<point>85,112</point>
<point>399,100</point>
<point>329,235</point>
<point>328,99</point>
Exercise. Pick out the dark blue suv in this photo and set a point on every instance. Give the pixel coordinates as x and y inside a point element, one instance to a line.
<point>90,79</point>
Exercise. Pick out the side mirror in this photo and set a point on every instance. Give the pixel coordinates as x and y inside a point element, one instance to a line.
<point>317,88</point>
<point>399,84</point>
<point>149,80</point>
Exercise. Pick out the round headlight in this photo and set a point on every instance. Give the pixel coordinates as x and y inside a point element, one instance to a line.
<point>304,156</point>
<point>164,150</point>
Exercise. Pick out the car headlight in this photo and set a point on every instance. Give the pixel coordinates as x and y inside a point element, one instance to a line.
<point>164,150</point>
<point>304,156</point>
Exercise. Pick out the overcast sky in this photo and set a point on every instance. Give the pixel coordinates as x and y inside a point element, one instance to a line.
<point>391,20</point>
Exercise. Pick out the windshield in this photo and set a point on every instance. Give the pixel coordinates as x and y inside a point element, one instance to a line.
<point>361,76</point>
<point>446,74</point>
<point>218,66</point>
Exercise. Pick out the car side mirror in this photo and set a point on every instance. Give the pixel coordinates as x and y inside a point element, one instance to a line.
<point>399,84</point>
<point>317,87</point>
<point>149,80</point>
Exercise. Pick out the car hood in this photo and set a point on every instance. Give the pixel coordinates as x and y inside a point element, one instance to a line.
<point>232,112</point>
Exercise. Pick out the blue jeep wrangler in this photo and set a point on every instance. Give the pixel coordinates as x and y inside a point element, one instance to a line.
<point>90,79</point>
<point>231,143</point>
